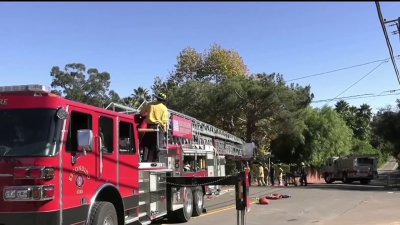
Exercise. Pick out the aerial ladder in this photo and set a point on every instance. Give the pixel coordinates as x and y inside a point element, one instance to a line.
<point>202,135</point>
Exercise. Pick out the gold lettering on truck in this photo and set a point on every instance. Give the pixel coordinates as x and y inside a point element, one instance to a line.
<point>3,101</point>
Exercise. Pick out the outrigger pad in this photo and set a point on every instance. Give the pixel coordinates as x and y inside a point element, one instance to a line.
<point>277,196</point>
<point>263,201</point>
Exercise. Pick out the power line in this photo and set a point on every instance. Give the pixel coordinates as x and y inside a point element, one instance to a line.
<point>344,68</point>
<point>376,67</point>
<point>343,98</point>
<point>360,96</point>
<point>378,8</point>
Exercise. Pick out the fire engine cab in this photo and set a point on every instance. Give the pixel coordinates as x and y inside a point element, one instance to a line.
<point>64,162</point>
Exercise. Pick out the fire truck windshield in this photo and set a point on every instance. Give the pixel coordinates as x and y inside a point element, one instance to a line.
<point>29,132</point>
<point>365,161</point>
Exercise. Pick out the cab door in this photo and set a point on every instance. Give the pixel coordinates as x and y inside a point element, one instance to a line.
<point>128,164</point>
<point>79,169</point>
<point>107,148</point>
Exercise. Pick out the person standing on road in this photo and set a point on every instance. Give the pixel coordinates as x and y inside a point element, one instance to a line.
<point>260,178</point>
<point>266,174</point>
<point>272,174</point>
<point>280,175</point>
<point>303,175</point>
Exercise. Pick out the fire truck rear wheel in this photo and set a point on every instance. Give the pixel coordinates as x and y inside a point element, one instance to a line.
<point>346,180</point>
<point>365,181</point>
<point>103,213</point>
<point>198,201</point>
<point>184,214</point>
<point>328,179</point>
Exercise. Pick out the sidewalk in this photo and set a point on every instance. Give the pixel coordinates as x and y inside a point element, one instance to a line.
<point>391,164</point>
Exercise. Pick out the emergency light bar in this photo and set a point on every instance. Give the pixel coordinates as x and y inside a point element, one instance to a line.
<point>23,88</point>
<point>34,173</point>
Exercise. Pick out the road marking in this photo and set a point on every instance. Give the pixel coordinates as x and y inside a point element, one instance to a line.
<point>222,209</point>
<point>255,199</point>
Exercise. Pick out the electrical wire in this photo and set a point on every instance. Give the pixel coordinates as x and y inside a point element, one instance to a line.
<point>344,68</point>
<point>376,67</point>
<point>360,96</point>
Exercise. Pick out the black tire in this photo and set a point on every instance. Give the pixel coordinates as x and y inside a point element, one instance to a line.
<point>184,214</point>
<point>366,181</point>
<point>328,179</point>
<point>103,213</point>
<point>198,202</point>
<point>346,180</point>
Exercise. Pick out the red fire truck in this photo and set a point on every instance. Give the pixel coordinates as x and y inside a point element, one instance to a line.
<point>64,162</point>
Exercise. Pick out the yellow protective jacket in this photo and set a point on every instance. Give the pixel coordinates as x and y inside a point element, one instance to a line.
<point>260,171</point>
<point>156,113</point>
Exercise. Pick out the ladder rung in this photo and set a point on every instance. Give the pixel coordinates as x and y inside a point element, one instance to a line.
<point>142,214</point>
<point>147,130</point>
<point>142,203</point>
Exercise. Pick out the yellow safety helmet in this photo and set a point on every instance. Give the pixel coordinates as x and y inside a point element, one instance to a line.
<point>161,96</point>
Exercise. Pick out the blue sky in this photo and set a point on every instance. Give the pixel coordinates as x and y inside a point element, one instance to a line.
<point>137,41</point>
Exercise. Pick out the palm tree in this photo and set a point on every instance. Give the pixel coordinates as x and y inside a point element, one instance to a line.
<point>365,111</point>
<point>139,96</point>
<point>342,107</point>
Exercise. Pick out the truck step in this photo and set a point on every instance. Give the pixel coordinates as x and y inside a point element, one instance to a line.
<point>145,222</point>
<point>129,220</point>
<point>142,214</point>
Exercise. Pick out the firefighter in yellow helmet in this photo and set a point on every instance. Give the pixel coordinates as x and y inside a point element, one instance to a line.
<point>156,113</point>
<point>156,116</point>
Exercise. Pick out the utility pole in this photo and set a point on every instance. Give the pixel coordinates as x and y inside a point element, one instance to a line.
<point>381,20</point>
<point>394,23</point>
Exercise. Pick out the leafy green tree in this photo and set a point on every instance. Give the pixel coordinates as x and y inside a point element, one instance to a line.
<point>256,108</point>
<point>159,85</point>
<point>386,127</point>
<point>76,83</point>
<point>215,87</point>
<point>220,64</point>
<point>358,119</point>
<point>216,64</point>
<point>363,122</point>
<point>193,98</point>
<point>326,135</point>
<point>189,67</point>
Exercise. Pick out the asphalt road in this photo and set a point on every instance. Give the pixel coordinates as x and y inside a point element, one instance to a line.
<point>328,204</point>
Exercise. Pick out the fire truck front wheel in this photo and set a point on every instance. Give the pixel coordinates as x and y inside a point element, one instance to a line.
<point>198,200</point>
<point>103,213</point>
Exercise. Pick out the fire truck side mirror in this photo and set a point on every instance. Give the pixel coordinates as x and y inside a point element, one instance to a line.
<point>62,113</point>
<point>85,140</point>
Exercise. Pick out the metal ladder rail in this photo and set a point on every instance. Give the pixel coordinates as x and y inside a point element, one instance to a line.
<point>200,127</point>
<point>207,129</point>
